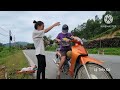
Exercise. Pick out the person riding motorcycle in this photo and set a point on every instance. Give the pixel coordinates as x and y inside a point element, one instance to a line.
<point>63,49</point>
<point>78,70</point>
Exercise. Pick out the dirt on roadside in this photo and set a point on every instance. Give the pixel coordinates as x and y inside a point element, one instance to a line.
<point>2,72</point>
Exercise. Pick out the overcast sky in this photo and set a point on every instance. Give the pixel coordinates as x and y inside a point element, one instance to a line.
<point>21,22</point>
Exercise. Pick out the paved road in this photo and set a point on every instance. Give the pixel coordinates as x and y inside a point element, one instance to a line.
<point>110,62</point>
<point>51,67</point>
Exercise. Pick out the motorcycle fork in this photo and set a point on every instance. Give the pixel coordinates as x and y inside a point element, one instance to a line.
<point>84,65</point>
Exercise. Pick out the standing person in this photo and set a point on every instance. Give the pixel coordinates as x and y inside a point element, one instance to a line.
<point>37,36</point>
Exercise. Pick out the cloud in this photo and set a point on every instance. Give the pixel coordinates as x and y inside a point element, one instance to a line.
<point>21,22</point>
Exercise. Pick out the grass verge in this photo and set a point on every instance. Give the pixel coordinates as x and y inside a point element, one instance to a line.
<point>13,63</point>
<point>107,51</point>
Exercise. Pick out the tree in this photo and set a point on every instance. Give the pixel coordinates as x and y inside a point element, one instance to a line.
<point>1,47</point>
<point>1,44</point>
<point>30,46</point>
<point>48,40</point>
<point>51,41</point>
<point>49,37</point>
<point>45,38</point>
<point>92,28</point>
<point>97,18</point>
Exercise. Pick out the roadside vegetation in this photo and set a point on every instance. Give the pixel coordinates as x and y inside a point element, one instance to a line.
<point>12,59</point>
<point>107,51</point>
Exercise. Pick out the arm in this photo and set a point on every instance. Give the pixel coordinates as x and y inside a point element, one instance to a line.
<point>78,39</point>
<point>49,28</point>
<point>58,38</point>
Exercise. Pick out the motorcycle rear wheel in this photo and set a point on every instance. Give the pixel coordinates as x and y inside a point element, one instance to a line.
<point>95,71</point>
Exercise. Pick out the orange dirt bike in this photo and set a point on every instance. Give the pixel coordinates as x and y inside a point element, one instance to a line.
<point>81,66</point>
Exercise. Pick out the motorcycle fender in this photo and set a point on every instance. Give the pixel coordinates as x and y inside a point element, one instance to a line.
<point>86,59</point>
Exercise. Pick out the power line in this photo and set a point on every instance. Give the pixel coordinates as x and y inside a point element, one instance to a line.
<point>3,34</point>
<point>7,31</point>
<point>4,29</point>
<point>2,38</point>
<point>6,37</point>
<point>1,41</point>
<point>10,36</point>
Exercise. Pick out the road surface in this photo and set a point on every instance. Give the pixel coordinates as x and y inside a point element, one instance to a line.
<point>51,67</point>
<point>112,63</point>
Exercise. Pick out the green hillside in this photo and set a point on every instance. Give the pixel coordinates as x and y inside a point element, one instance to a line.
<point>91,29</point>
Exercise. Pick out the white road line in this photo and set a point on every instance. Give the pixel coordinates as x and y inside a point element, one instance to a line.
<point>55,62</point>
<point>30,62</point>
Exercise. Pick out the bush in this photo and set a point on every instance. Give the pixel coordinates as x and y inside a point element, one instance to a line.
<point>6,51</point>
<point>51,48</point>
<point>117,34</point>
<point>1,48</point>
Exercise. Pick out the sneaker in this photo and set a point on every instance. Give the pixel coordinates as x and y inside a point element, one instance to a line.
<point>57,61</point>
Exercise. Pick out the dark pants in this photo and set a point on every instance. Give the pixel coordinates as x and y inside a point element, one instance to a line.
<point>41,66</point>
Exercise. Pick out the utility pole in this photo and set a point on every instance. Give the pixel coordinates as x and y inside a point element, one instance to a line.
<point>14,41</point>
<point>10,39</point>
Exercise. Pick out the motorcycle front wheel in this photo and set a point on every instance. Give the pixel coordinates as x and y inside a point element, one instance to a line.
<point>95,71</point>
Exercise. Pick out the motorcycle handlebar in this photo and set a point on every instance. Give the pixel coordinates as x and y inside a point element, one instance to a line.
<point>72,40</point>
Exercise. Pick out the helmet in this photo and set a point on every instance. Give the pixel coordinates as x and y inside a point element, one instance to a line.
<point>65,28</point>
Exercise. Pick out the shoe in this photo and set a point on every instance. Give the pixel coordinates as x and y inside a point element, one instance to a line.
<point>57,61</point>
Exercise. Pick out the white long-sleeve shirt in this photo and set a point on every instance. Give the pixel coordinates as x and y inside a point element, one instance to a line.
<point>38,41</point>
